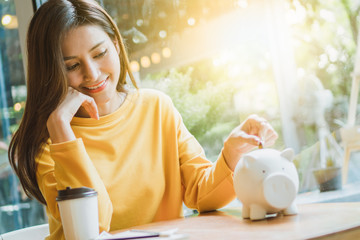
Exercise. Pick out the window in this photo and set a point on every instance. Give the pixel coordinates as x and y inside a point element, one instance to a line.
<point>211,57</point>
<point>16,210</point>
<point>289,61</point>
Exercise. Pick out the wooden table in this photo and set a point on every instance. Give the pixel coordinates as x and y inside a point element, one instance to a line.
<point>314,221</point>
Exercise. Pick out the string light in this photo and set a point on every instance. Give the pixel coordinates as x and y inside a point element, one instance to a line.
<point>155,58</point>
<point>166,52</point>
<point>145,62</point>
<point>134,66</point>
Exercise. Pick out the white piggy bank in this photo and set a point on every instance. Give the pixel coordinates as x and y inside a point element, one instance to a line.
<point>266,182</point>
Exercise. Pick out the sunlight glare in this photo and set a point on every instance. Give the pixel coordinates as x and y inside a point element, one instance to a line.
<point>233,71</point>
<point>327,15</point>
<point>242,3</point>
<point>323,60</point>
<point>263,65</point>
<point>224,58</point>
<point>298,15</point>
<point>331,69</point>
<point>300,72</point>
<point>332,53</point>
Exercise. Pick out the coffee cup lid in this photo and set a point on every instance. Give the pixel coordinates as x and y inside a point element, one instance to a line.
<point>74,193</point>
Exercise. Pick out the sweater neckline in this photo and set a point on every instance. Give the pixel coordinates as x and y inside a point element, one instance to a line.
<point>117,114</point>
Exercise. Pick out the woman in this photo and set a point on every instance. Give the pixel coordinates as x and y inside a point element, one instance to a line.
<point>82,127</point>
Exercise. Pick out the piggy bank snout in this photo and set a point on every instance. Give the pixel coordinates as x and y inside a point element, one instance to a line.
<point>279,190</point>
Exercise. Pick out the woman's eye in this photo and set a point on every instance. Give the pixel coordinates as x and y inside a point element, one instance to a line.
<point>72,67</point>
<point>101,54</point>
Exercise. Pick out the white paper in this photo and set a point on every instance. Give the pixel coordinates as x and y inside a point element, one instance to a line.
<point>143,234</point>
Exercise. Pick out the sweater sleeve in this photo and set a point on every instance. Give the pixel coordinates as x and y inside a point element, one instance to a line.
<point>207,186</point>
<point>68,164</point>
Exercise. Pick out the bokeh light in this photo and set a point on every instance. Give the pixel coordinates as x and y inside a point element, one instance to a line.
<point>9,21</point>
<point>6,19</point>
<point>166,52</point>
<point>17,107</point>
<point>145,62</point>
<point>134,66</point>
<point>191,21</point>
<point>155,58</point>
<point>162,34</point>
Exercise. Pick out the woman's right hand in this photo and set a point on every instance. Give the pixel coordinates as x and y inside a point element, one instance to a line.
<point>58,123</point>
<point>248,135</point>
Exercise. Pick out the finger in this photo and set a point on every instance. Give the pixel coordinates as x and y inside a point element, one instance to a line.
<point>260,127</point>
<point>91,107</point>
<point>250,139</point>
<point>268,132</point>
<point>256,118</point>
<point>271,139</point>
<point>264,129</point>
<point>269,142</point>
<point>252,125</point>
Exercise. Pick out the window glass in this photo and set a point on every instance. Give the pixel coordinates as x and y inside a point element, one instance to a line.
<point>211,57</point>
<point>325,34</point>
<point>289,61</point>
<point>16,210</point>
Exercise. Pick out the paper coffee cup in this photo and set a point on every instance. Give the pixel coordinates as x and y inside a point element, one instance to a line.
<point>79,213</point>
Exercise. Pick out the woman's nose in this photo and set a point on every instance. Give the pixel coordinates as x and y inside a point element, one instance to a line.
<point>90,71</point>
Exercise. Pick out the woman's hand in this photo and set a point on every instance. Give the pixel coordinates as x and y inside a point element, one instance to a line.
<point>249,134</point>
<point>59,120</point>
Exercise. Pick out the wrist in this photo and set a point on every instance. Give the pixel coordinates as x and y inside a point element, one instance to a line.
<point>231,157</point>
<point>59,129</point>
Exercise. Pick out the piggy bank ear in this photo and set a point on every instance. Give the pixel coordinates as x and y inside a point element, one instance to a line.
<point>288,153</point>
<point>248,160</point>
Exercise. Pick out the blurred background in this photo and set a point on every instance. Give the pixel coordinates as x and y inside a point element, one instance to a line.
<point>289,61</point>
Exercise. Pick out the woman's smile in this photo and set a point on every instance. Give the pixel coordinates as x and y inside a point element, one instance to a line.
<point>93,66</point>
<point>97,87</point>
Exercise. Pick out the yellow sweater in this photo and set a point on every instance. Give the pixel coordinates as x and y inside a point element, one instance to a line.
<point>141,160</point>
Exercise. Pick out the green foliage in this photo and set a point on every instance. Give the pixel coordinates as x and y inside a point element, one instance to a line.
<point>205,95</point>
<point>325,46</point>
<point>206,109</point>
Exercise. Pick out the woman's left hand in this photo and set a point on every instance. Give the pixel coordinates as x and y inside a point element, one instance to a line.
<point>248,135</point>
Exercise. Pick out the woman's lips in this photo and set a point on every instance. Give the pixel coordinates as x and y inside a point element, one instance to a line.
<point>98,87</point>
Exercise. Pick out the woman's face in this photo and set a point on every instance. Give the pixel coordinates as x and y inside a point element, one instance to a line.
<point>93,65</point>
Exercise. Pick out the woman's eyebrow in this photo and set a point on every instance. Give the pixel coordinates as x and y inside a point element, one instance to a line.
<point>94,47</point>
